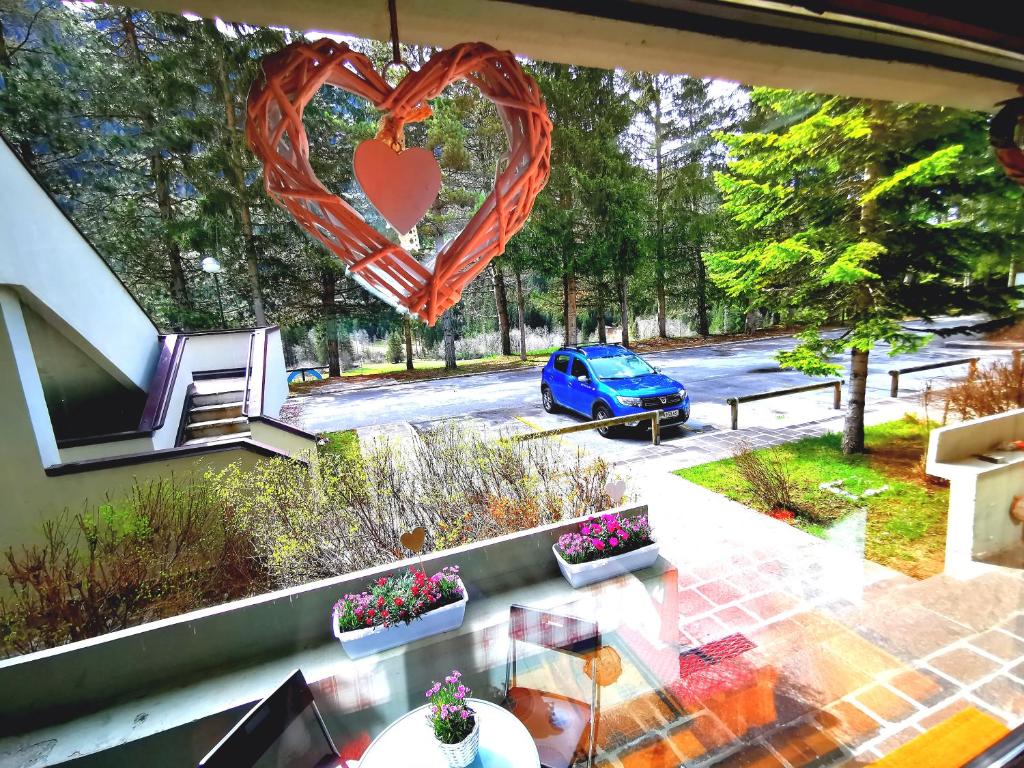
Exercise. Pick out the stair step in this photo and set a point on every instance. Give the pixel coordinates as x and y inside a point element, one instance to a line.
<point>203,399</point>
<point>218,438</point>
<point>216,412</point>
<point>215,427</point>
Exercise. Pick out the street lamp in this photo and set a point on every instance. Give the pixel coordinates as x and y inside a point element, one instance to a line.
<point>212,267</point>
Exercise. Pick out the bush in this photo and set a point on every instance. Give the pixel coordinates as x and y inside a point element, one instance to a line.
<point>238,532</point>
<point>765,473</point>
<point>346,513</point>
<point>995,388</point>
<point>162,551</point>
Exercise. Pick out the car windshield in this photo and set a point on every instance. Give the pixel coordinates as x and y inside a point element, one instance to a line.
<point>619,367</point>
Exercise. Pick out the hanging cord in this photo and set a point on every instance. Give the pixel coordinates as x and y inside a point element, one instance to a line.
<point>391,127</point>
<point>1002,136</point>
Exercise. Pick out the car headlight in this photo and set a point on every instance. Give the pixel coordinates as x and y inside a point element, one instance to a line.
<point>682,393</point>
<point>634,401</point>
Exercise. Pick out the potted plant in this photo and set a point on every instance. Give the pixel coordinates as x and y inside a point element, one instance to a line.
<point>455,725</point>
<point>398,609</point>
<point>605,546</point>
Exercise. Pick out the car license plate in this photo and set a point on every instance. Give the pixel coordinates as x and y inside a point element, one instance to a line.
<point>669,414</point>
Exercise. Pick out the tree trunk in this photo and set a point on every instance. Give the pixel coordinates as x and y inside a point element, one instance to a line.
<point>853,430</point>
<point>161,180</point>
<point>241,196</point>
<point>521,302</point>
<point>659,218</point>
<point>703,311</point>
<point>501,302</point>
<point>328,296</point>
<point>448,324</point>
<point>569,307</point>
<point>602,330</point>
<point>624,308</point>
<point>408,343</point>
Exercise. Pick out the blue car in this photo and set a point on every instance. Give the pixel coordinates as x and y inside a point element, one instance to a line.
<point>601,381</point>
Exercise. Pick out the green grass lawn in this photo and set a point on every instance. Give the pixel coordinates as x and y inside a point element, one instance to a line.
<point>343,443</point>
<point>906,525</point>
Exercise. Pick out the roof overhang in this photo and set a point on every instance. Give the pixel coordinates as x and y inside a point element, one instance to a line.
<point>899,52</point>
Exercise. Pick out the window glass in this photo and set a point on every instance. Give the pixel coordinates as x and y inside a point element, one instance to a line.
<point>620,367</point>
<point>578,368</point>
<point>562,363</point>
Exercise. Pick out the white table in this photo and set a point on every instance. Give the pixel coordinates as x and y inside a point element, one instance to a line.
<point>409,741</point>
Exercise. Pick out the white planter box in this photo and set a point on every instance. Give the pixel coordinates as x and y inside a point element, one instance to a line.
<point>581,574</point>
<point>365,642</point>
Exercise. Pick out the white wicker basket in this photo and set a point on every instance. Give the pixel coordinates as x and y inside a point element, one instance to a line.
<point>462,754</point>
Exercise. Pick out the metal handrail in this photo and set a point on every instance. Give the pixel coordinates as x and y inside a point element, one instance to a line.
<point>653,416</point>
<point>894,384</point>
<point>734,402</point>
<point>248,375</point>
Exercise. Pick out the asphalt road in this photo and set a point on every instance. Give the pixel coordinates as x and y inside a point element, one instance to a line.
<point>710,374</point>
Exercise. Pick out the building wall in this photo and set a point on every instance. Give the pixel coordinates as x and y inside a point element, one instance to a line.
<point>53,268</point>
<point>82,398</point>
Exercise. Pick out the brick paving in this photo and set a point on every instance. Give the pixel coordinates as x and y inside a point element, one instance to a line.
<point>850,659</point>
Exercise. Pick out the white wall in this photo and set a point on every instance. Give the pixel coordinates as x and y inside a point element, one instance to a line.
<point>52,267</point>
<point>276,390</point>
<point>217,351</point>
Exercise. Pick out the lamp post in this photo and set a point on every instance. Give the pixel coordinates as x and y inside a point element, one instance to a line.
<point>212,267</point>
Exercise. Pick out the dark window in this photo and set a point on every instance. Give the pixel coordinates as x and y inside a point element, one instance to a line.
<point>562,363</point>
<point>578,368</point>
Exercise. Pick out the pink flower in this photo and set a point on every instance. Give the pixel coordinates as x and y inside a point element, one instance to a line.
<point>613,541</point>
<point>598,544</point>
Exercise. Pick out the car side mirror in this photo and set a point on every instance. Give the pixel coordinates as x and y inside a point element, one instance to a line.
<point>584,378</point>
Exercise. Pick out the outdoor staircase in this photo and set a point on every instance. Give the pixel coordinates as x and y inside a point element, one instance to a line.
<point>215,412</point>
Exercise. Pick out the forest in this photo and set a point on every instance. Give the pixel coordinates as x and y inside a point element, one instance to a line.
<point>676,206</point>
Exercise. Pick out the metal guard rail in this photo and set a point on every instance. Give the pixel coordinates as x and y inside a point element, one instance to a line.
<point>653,416</point>
<point>734,402</point>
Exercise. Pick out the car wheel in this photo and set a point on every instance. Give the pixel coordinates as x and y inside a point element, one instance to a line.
<point>548,400</point>
<point>601,411</point>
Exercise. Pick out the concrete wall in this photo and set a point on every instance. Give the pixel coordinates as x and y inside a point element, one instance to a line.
<point>82,398</point>
<point>218,351</point>
<point>276,390</point>
<point>981,492</point>
<point>53,268</point>
<point>73,680</point>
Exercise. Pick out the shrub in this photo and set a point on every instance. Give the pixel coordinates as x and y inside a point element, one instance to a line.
<point>344,513</point>
<point>398,599</point>
<point>995,388</point>
<point>162,551</point>
<point>765,473</point>
<point>396,347</point>
<point>604,536</point>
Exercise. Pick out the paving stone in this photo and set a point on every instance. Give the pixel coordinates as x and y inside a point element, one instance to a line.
<point>1000,644</point>
<point>804,744</point>
<point>922,686</point>
<point>980,603</point>
<point>1015,625</point>
<point>692,603</point>
<point>898,739</point>
<point>848,723</point>
<point>771,604</point>
<point>754,756</point>
<point>720,592</point>
<point>943,713</point>
<point>886,704</point>
<point>735,618</point>
<point>964,665</point>
<point>907,631</point>
<point>704,630</point>
<point>749,580</point>
<point>1004,693</point>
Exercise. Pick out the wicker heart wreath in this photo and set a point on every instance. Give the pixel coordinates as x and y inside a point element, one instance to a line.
<point>276,134</point>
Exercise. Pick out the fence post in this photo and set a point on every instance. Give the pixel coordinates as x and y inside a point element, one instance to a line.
<point>303,374</point>
<point>894,385</point>
<point>735,405</point>
<point>656,428</point>
<point>837,396</point>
